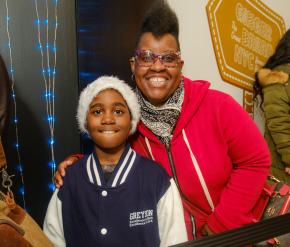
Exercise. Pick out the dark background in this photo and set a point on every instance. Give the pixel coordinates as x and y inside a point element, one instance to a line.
<point>106,40</point>
<point>95,37</point>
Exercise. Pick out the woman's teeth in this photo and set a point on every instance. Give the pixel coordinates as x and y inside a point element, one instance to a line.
<point>157,81</point>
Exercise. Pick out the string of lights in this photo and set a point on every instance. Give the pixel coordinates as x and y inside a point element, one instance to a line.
<point>13,95</point>
<point>48,72</point>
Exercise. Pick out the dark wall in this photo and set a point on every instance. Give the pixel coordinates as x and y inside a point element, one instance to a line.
<point>106,36</point>
<point>106,39</point>
<point>33,129</point>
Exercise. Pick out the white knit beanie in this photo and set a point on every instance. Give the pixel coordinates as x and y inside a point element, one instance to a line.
<point>102,83</point>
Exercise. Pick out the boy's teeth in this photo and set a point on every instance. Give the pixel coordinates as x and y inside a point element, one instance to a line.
<point>108,131</point>
<point>157,79</point>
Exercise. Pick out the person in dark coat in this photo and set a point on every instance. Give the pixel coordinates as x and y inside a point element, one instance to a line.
<point>273,85</point>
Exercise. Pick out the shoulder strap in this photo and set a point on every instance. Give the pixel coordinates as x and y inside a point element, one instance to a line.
<point>7,221</point>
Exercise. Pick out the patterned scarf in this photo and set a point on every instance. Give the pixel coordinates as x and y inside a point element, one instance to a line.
<point>161,120</point>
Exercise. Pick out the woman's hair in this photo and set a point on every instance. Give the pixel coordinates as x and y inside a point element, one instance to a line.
<point>280,56</point>
<point>282,52</point>
<point>160,19</point>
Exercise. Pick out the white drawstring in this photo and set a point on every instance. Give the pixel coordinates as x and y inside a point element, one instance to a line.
<point>199,174</point>
<point>149,148</point>
<point>196,166</point>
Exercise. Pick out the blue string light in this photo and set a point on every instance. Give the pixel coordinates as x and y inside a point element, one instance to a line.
<point>48,72</point>
<point>52,164</point>
<point>51,141</point>
<point>19,168</point>
<point>15,120</point>
<point>51,186</point>
<point>22,190</point>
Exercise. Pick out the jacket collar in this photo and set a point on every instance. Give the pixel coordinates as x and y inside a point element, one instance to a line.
<point>119,175</point>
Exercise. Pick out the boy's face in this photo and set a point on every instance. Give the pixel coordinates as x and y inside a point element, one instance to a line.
<point>109,120</point>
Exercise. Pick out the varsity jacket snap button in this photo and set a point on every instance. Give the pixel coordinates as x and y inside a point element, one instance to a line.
<point>104,193</point>
<point>104,231</point>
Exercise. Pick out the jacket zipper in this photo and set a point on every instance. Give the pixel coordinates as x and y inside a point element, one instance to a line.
<point>172,166</point>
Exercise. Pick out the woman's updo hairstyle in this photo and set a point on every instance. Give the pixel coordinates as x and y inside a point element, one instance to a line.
<point>160,19</point>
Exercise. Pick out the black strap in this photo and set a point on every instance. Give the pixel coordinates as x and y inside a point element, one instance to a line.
<point>249,234</point>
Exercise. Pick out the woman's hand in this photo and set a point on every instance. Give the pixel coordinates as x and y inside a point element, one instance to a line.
<point>205,231</point>
<point>60,173</point>
<point>287,170</point>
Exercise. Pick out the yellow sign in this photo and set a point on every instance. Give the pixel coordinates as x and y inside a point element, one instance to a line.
<point>244,35</point>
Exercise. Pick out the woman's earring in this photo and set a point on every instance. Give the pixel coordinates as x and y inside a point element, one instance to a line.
<point>133,78</point>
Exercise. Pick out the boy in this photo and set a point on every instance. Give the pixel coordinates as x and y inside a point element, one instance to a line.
<point>114,197</point>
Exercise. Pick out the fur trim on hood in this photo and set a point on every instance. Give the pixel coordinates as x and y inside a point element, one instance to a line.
<point>267,77</point>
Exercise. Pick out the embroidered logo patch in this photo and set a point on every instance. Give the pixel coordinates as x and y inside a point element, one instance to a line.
<point>141,218</point>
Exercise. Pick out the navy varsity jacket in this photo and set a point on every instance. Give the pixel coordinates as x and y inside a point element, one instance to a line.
<point>138,206</point>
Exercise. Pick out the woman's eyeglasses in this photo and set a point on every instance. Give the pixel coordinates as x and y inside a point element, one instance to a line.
<point>147,58</point>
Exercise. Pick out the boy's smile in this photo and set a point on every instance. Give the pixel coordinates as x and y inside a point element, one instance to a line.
<point>109,121</point>
<point>108,131</point>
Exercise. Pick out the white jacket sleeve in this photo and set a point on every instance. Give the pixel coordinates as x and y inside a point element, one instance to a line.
<point>52,226</point>
<point>171,223</point>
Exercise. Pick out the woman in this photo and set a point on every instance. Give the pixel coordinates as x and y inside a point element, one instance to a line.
<point>200,135</point>
<point>273,85</point>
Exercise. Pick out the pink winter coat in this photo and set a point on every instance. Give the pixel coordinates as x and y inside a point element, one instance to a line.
<point>227,147</point>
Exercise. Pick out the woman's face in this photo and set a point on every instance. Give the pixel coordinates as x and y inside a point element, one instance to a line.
<point>158,81</point>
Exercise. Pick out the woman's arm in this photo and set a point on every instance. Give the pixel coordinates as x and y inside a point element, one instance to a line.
<point>250,157</point>
<point>60,173</point>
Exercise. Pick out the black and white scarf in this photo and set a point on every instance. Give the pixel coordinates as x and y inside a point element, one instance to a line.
<point>161,120</point>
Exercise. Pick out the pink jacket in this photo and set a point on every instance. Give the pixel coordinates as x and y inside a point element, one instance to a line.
<point>227,147</point>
